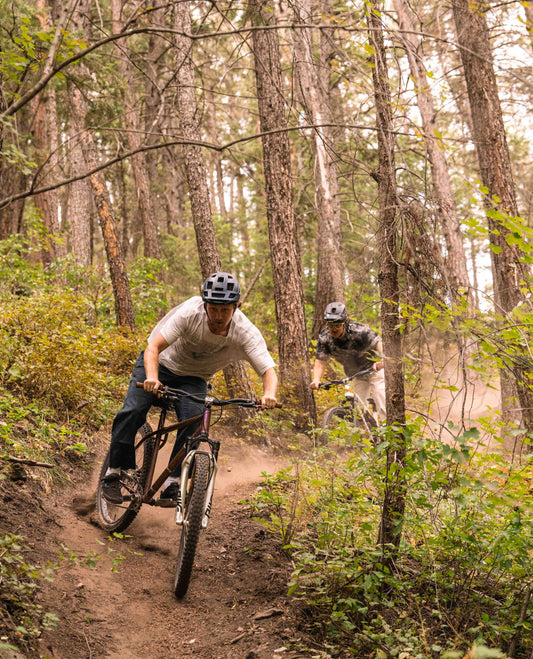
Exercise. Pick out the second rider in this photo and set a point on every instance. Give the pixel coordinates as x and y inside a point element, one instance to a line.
<point>358,348</point>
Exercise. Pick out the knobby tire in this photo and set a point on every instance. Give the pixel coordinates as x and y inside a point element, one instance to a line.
<point>116,518</point>
<point>192,523</point>
<point>330,420</point>
<point>332,417</point>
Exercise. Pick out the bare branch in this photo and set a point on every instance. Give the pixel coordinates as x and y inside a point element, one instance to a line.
<point>214,147</point>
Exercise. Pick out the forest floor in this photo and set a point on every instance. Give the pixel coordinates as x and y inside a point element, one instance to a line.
<point>123,607</point>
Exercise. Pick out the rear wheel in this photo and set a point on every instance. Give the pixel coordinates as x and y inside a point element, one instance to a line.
<point>117,517</point>
<point>193,504</point>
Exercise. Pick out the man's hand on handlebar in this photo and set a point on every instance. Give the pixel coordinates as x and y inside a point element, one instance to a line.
<point>268,402</point>
<point>315,384</point>
<point>152,385</point>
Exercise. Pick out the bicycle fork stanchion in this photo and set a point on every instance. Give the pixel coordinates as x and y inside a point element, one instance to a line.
<point>209,493</point>
<point>185,468</point>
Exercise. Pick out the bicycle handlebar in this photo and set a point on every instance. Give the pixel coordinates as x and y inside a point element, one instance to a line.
<point>169,393</point>
<point>331,383</point>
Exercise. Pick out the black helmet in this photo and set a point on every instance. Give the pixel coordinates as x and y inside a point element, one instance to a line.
<point>335,313</point>
<point>221,288</point>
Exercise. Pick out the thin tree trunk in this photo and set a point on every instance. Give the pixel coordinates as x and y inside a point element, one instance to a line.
<point>314,98</point>
<point>236,377</point>
<point>295,372</point>
<point>528,10</point>
<point>456,269</point>
<point>152,248</point>
<point>156,110</point>
<point>395,487</point>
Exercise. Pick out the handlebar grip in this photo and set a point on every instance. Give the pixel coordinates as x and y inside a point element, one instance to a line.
<point>159,394</point>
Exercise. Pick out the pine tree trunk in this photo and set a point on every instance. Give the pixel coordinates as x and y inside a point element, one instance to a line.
<point>124,312</point>
<point>236,377</point>
<point>152,248</point>
<point>47,202</point>
<point>45,130</point>
<point>395,487</point>
<point>295,373</point>
<point>496,175</point>
<point>79,206</point>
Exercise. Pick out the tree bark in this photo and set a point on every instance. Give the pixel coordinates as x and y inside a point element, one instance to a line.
<point>295,372</point>
<point>124,312</point>
<point>79,206</point>
<point>132,122</point>
<point>395,488</point>
<point>313,94</point>
<point>496,175</point>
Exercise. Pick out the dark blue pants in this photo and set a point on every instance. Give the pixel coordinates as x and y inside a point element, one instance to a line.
<point>136,406</point>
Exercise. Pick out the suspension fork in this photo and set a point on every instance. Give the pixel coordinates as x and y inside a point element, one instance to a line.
<point>200,435</point>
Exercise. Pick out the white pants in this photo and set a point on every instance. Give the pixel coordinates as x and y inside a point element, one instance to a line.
<point>373,386</point>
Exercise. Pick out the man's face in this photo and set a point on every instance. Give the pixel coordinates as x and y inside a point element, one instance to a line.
<point>336,330</point>
<point>219,316</point>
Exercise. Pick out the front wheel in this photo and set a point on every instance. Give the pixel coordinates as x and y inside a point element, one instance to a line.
<point>332,417</point>
<point>117,517</point>
<point>331,420</point>
<point>194,502</point>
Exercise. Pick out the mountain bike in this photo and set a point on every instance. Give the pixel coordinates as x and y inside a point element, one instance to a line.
<point>360,414</point>
<point>198,460</point>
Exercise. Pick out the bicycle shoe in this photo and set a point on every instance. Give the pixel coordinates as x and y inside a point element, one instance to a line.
<point>169,496</point>
<point>111,488</point>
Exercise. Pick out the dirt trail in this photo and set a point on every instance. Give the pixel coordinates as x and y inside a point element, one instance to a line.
<point>236,606</point>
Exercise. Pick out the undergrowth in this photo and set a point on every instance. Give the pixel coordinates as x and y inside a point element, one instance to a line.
<point>463,574</point>
<point>22,619</point>
<point>64,366</point>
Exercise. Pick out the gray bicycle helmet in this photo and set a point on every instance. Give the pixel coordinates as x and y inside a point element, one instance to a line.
<point>335,313</point>
<point>221,288</point>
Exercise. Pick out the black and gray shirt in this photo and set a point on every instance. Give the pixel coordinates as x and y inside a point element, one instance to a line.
<point>355,351</point>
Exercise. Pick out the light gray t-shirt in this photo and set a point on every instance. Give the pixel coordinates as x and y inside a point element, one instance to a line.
<point>194,350</point>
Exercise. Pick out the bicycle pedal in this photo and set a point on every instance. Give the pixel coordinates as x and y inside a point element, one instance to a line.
<point>165,503</point>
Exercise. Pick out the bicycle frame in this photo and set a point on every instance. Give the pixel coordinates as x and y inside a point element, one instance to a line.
<point>185,457</point>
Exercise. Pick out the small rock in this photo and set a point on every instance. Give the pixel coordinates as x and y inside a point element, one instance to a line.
<point>269,613</point>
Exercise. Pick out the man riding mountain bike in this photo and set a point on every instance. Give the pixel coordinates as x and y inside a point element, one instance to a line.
<point>358,348</point>
<point>187,347</point>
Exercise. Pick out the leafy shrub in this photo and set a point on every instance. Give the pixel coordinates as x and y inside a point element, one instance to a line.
<point>21,618</point>
<point>463,571</point>
<point>49,351</point>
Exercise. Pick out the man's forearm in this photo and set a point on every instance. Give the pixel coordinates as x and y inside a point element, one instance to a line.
<point>270,383</point>
<point>318,369</point>
<point>151,363</point>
